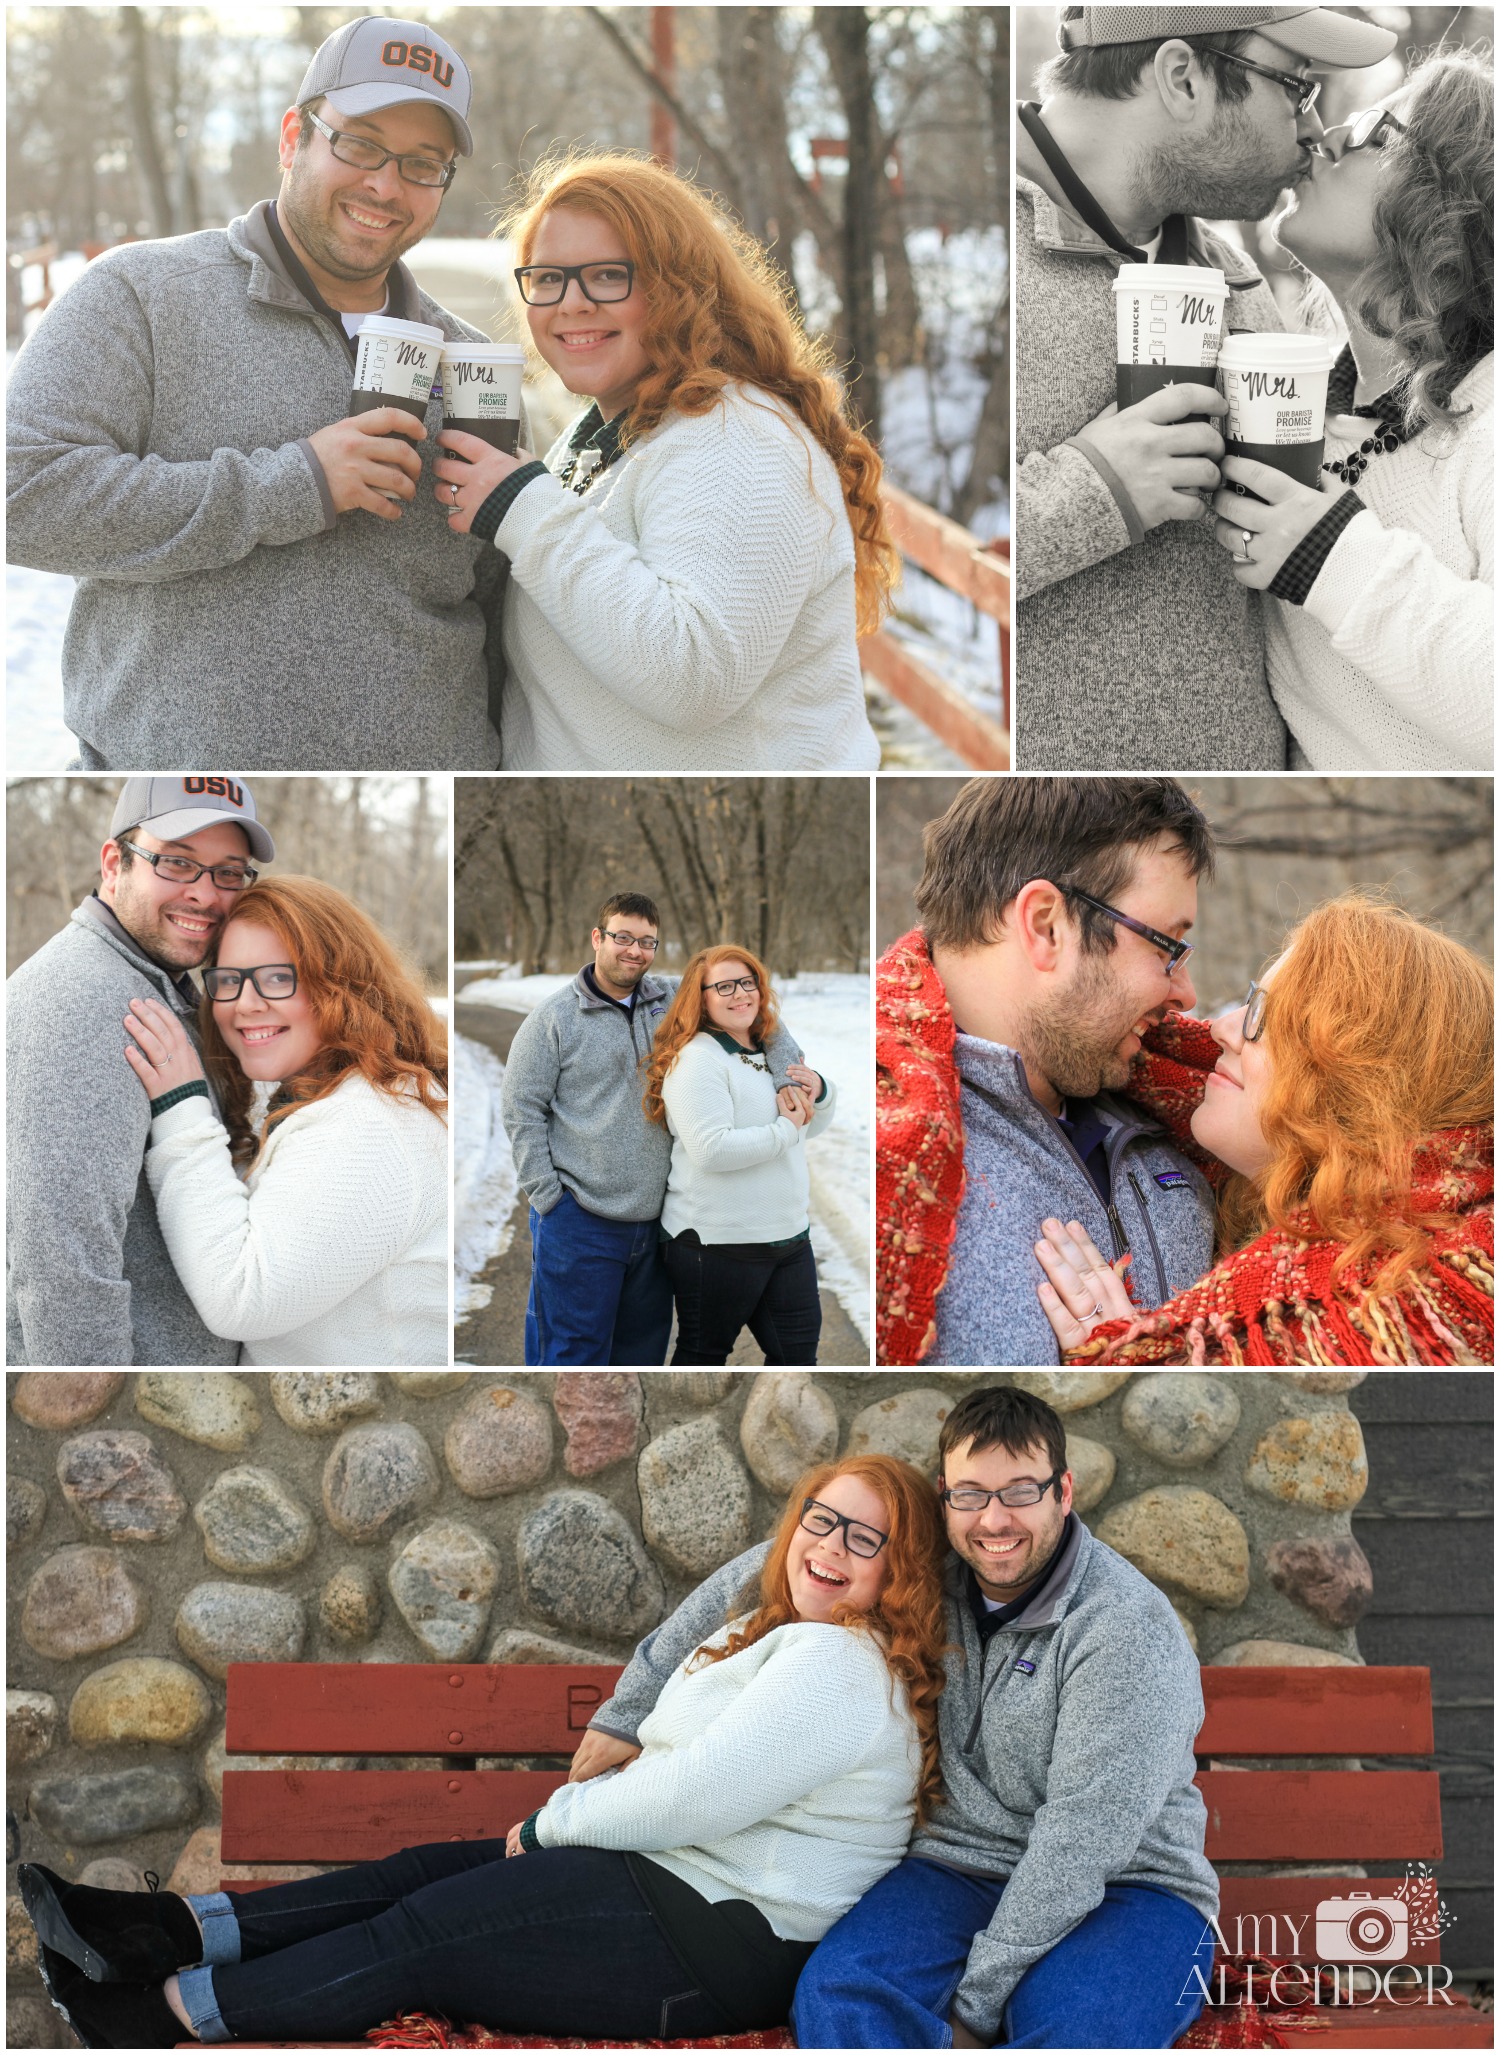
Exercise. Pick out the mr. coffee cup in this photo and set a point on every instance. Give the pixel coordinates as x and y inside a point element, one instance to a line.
<point>1277,389</point>
<point>1167,322</point>
<point>482,391</point>
<point>396,364</point>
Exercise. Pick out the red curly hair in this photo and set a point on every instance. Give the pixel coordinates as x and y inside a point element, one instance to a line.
<point>371,1012</point>
<point>1380,1032</point>
<point>717,311</point>
<point>908,1618</point>
<point>688,1015</point>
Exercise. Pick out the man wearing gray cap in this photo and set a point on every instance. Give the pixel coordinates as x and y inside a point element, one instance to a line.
<point>88,1277</point>
<point>259,578</point>
<point>1134,649</point>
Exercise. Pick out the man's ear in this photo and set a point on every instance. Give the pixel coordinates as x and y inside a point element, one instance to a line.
<point>291,129</point>
<point>1040,922</point>
<point>596,936</point>
<point>1185,91</point>
<point>109,871</point>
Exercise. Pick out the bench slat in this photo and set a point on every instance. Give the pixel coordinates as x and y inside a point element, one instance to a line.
<point>1316,1711</point>
<point>1244,1901</point>
<point>361,1815</point>
<point>412,1708</point>
<point>1322,1815</point>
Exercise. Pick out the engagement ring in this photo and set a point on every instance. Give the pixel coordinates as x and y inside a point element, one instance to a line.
<point>1243,557</point>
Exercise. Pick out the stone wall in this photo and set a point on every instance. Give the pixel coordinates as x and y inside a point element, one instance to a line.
<point>161,1525</point>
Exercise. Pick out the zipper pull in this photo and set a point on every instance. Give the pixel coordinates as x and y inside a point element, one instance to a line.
<point>1122,1246</point>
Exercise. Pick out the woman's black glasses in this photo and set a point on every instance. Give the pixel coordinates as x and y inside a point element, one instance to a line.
<point>820,1519</point>
<point>1366,131</point>
<point>271,980</point>
<point>543,285</point>
<point>727,987</point>
<point>1255,1014</point>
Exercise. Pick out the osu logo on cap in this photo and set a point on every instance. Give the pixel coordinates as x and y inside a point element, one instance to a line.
<point>215,788</point>
<point>417,57</point>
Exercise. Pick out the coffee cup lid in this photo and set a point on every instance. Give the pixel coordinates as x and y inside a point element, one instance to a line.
<point>1172,278</point>
<point>409,331</point>
<point>1273,351</point>
<point>486,352</point>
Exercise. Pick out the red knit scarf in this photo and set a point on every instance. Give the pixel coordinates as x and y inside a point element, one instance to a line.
<point>919,1149</point>
<point>1272,1302</point>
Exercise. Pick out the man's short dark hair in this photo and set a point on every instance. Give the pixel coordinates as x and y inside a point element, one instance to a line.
<point>1000,833</point>
<point>1113,71</point>
<point>126,859</point>
<point>634,905</point>
<point>306,131</point>
<point>1005,1416</point>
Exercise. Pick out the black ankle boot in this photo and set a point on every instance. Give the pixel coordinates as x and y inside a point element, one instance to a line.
<point>110,2015</point>
<point>114,1937</point>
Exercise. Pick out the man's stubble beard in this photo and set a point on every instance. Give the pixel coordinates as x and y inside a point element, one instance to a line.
<point>309,228</point>
<point>1221,178</point>
<point>1072,1038</point>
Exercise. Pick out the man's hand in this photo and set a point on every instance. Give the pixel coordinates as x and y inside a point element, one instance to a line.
<point>365,461</point>
<point>598,1753</point>
<point>1163,459</point>
<point>796,1102</point>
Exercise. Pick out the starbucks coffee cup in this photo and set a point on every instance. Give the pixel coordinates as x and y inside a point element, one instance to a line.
<point>482,391</point>
<point>396,364</point>
<point>1277,390</point>
<point>1167,323</point>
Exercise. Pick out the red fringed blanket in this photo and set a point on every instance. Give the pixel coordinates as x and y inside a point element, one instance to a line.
<point>431,2030</point>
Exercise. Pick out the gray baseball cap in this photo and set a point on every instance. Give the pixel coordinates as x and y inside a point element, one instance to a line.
<point>1323,36</point>
<point>379,62</point>
<point>176,807</point>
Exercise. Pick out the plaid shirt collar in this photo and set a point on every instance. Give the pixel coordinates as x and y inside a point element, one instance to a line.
<point>1388,408</point>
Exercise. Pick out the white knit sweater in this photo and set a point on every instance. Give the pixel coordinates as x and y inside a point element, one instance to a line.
<point>738,1171</point>
<point>692,611</point>
<point>1390,664</point>
<point>334,1249</point>
<point>785,1775</point>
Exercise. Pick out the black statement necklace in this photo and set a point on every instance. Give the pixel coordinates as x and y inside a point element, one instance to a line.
<point>1387,411</point>
<point>593,446</point>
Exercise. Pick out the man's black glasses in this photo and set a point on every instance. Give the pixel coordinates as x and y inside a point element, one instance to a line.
<point>181,870</point>
<point>1172,947</point>
<point>820,1519</point>
<point>1304,91</point>
<point>417,168</point>
<point>645,943</point>
<point>271,980</point>
<point>973,1498</point>
<point>543,285</point>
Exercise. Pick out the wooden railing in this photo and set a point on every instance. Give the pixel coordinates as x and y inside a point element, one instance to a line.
<point>980,573</point>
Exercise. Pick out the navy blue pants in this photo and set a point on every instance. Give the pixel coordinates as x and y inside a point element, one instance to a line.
<point>559,1942</point>
<point>599,1293</point>
<point>886,1974</point>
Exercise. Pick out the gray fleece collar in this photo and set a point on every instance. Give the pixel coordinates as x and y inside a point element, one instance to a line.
<point>251,240</point>
<point>650,987</point>
<point>97,919</point>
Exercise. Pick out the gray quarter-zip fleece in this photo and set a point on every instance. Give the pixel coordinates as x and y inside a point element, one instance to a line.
<point>1066,1776</point>
<point>1019,1169</point>
<point>88,1277</point>
<point>571,1105</point>
<point>159,418</point>
<point>1138,650</point>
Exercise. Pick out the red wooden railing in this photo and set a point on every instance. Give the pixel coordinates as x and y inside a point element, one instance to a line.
<point>980,572</point>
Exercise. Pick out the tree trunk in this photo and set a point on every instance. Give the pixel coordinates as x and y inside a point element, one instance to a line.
<point>845,33</point>
<point>153,174</point>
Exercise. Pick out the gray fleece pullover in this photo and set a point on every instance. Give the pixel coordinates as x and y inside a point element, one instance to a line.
<point>571,1106</point>
<point>1066,1777</point>
<point>88,1277</point>
<point>1019,1169</point>
<point>1138,651</point>
<point>158,453</point>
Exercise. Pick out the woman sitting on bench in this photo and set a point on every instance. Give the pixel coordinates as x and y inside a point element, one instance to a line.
<point>677,1898</point>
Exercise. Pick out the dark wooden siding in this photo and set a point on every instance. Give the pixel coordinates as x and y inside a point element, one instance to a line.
<point>1427,1525</point>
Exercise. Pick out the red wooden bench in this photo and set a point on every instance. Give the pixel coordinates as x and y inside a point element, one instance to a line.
<point>460,1712</point>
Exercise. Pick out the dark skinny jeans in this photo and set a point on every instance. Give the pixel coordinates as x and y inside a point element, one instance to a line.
<point>558,1942</point>
<point>774,1294</point>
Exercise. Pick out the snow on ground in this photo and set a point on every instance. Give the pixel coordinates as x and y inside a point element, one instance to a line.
<point>36,613</point>
<point>827,1011</point>
<point>484,1176</point>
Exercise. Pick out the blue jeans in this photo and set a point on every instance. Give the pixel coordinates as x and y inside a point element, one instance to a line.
<point>599,1293</point>
<point>886,1974</point>
<point>558,1942</point>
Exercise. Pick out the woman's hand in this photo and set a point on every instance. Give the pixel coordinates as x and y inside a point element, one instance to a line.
<point>795,1101</point>
<point>513,1840</point>
<point>597,1753</point>
<point>1273,530</point>
<point>1081,1288</point>
<point>163,1056</point>
<point>474,479</point>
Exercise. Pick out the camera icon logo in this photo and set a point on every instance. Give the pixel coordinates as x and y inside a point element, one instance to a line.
<point>1361,1928</point>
